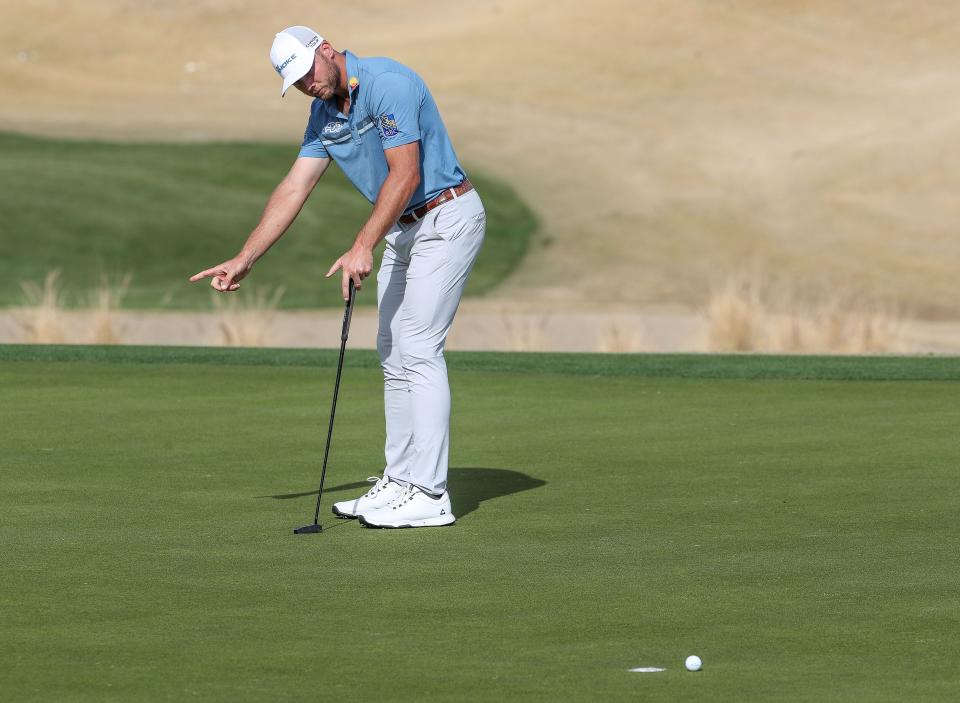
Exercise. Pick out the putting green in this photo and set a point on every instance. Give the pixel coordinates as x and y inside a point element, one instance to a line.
<point>800,535</point>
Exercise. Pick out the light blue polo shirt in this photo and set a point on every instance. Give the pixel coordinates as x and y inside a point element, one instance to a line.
<point>390,106</point>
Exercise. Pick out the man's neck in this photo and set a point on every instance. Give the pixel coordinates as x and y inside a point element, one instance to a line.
<point>341,61</point>
<point>342,93</point>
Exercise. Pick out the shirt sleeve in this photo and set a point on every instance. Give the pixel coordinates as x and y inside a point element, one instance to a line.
<point>311,146</point>
<point>395,108</point>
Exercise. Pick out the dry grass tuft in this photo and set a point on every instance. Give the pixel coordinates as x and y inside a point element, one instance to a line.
<point>619,337</point>
<point>525,332</point>
<point>747,313</point>
<point>245,318</point>
<point>735,316</point>
<point>41,316</point>
<point>104,302</point>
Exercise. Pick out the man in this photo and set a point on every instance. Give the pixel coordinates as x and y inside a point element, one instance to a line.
<point>377,120</point>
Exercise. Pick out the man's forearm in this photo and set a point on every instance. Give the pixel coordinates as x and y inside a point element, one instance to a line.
<point>391,202</point>
<point>282,209</point>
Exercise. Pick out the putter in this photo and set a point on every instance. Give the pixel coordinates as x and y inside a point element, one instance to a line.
<point>347,314</point>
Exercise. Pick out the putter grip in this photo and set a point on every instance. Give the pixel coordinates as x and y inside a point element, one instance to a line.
<point>347,313</point>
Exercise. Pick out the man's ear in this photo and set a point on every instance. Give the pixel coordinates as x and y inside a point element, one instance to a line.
<point>326,49</point>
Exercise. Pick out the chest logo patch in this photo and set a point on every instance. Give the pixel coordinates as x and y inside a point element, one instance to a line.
<point>332,127</point>
<point>388,125</point>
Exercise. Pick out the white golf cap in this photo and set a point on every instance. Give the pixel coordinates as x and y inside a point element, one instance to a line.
<point>292,54</point>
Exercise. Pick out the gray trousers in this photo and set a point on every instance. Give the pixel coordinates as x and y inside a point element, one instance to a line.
<point>419,286</point>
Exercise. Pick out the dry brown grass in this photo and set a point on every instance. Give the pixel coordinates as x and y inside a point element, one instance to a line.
<point>525,332</point>
<point>41,316</point>
<point>748,313</point>
<point>104,302</point>
<point>620,337</point>
<point>819,134</point>
<point>246,316</point>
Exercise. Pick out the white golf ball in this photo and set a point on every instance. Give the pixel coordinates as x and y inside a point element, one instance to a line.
<point>693,663</point>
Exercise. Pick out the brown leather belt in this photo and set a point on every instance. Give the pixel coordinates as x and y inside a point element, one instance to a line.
<point>449,194</point>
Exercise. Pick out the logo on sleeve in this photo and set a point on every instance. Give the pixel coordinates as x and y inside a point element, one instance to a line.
<point>388,125</point>
<point>332,127</point>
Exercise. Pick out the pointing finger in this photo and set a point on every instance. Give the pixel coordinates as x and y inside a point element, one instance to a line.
<point>333,269</point>
<point>203,274</point>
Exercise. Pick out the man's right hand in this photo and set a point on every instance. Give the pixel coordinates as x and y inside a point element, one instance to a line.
<point>225,277</point>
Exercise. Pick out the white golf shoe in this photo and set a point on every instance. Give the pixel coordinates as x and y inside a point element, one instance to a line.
<point>411,508</point>
<point>383,492</point>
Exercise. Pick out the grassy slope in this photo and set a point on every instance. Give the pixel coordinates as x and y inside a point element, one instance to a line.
<point>798,535</point>
<point>164,212</point>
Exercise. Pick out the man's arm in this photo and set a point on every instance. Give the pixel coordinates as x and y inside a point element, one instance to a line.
<point>403,179</point>
<point>282,209</point>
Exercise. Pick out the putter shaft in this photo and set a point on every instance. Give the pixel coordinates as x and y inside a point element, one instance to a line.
<point>347,315</point>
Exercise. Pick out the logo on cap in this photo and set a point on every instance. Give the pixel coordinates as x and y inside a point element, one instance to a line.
<point>285,64</point>
<point>313,42</point>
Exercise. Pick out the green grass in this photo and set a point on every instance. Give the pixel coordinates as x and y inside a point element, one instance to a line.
<point>165,211</point>
<point>720,366</point>
<point>799,533</point>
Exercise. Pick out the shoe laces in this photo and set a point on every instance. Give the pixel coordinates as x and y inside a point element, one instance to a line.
<point>408,493</point>
<point>379,483</point>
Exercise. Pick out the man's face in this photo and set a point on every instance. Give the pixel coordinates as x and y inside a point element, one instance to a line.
<point>322,80</point>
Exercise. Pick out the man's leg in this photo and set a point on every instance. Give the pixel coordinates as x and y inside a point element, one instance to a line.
<point>391,282</point>
<point>391,286</point>
<point>443,253</point>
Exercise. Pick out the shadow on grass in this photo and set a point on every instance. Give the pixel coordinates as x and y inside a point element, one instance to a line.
<point>469,486</point>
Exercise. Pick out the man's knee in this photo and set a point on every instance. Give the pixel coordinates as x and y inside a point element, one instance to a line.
<point>394,375</point>
<point>384,348</point>
<point>422,361</point>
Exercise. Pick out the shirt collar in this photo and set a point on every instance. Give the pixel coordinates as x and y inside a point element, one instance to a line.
<point>353,83</point>
<point>353,68</point>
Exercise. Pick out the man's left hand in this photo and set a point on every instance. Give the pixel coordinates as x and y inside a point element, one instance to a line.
<point>356,264</point>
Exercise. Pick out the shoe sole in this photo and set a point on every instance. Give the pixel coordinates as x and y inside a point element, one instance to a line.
<point>343,516</point>
<point>431,522</point>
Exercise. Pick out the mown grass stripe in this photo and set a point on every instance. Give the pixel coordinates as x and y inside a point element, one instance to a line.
<point>718,366</point>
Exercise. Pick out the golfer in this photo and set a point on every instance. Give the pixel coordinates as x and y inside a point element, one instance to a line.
<point>377,120</point>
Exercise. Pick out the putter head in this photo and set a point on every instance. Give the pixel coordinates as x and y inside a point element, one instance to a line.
<point>308,530</point>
